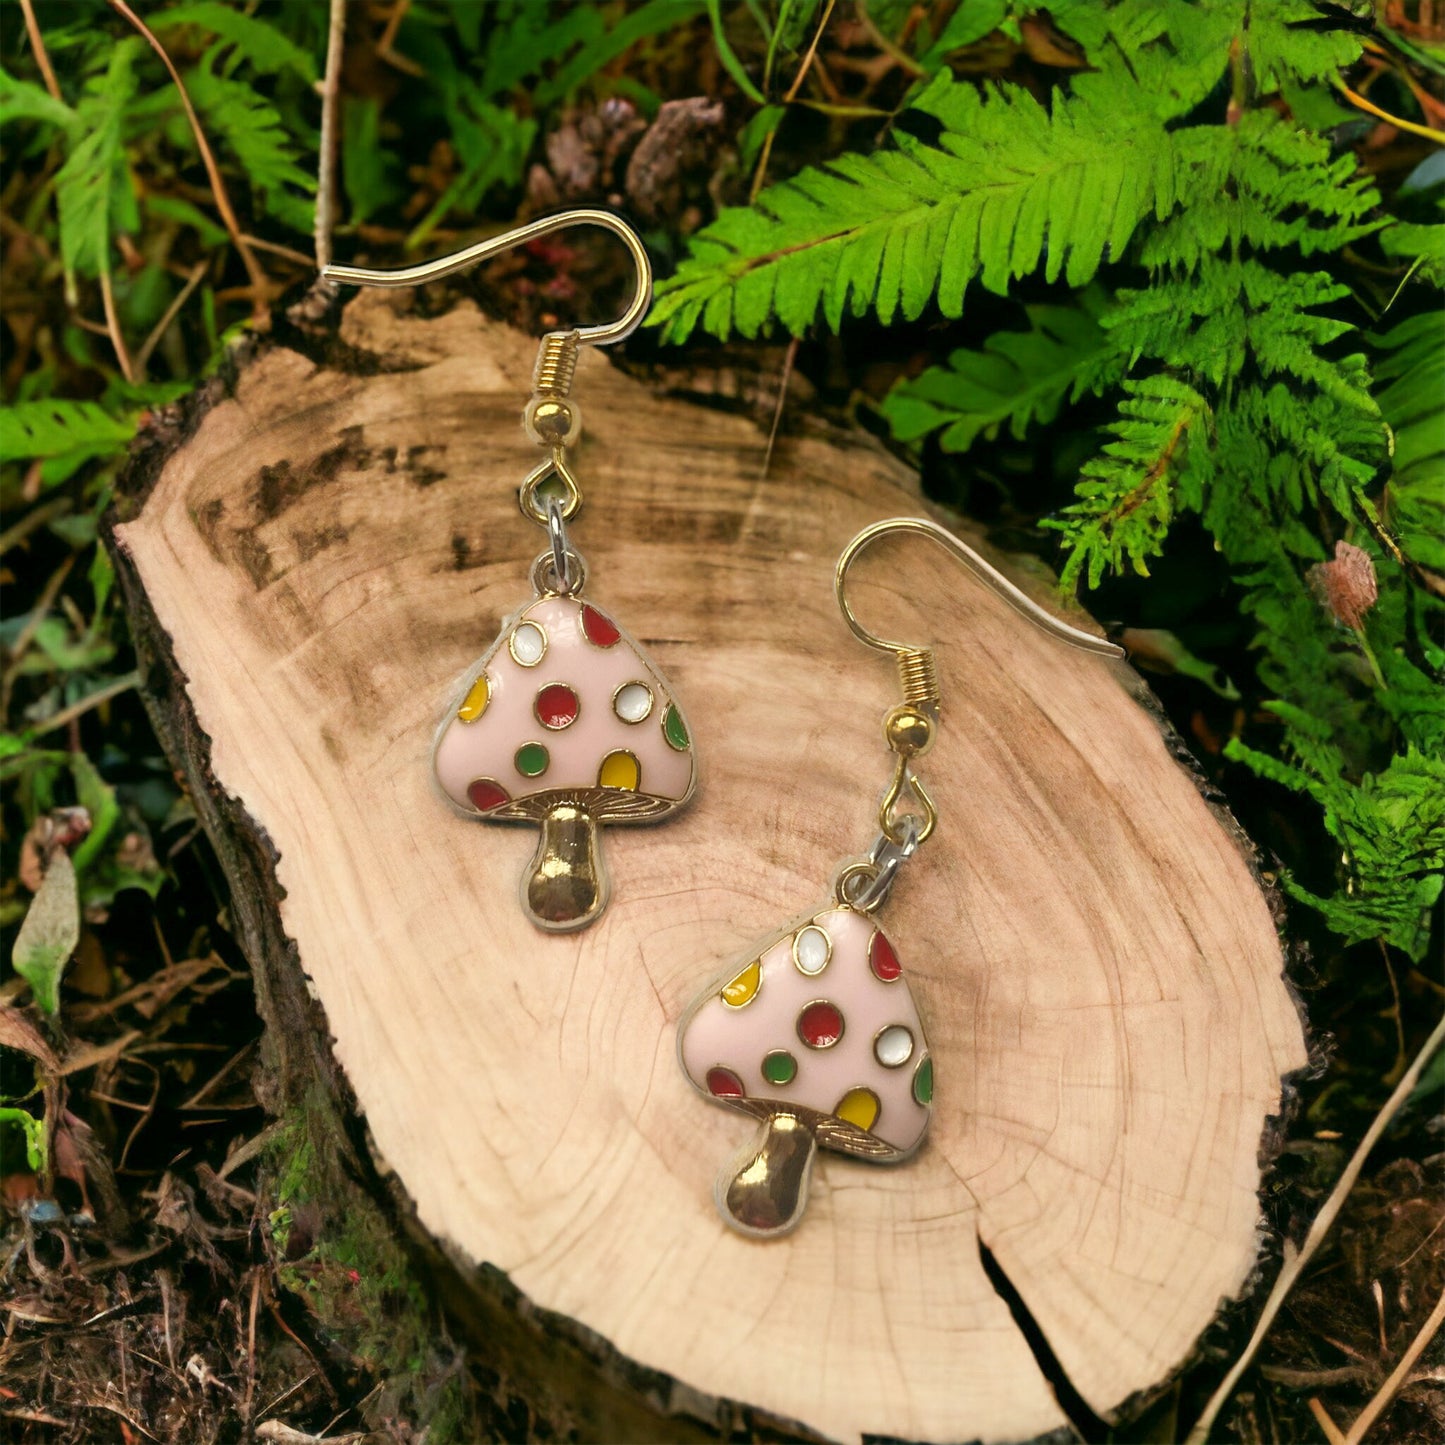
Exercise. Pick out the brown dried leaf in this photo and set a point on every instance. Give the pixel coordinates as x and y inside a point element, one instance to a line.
<point>1346,587</point>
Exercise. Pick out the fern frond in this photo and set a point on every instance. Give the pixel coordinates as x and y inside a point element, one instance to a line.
<point>92,189</point>
<point>259,42</point>
<point>1126,493</point>
<point>20,100</point>
<point>32,429</point>
<point>1390,826</point>
<point>1008,185</point>
<point>256,136</point>
<point>1018,377</point>
<point>1410,361</point>
<point>1263,183</point>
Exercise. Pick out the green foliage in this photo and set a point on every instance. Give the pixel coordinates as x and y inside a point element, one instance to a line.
<point>60,428</point>
<point>1203,234</point>
<point>1018,377</point>
<point>93,192</point>
<point>1006,187</point>
<point>49,933</point>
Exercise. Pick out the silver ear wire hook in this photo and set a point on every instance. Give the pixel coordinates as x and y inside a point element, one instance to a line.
<point>600,335</point>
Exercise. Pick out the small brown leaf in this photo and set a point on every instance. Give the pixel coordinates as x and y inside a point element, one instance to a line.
<point>1346,587</point>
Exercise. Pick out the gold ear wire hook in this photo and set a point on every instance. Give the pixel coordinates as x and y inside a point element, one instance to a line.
<point>919,661</point>
<point>600,335</point>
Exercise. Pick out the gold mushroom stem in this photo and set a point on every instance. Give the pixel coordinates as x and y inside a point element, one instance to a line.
<point>764,1187</point>
<point>567,885</point>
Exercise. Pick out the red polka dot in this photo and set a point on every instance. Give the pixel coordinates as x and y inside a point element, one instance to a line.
<point>486,795</point>
<point>600,630</point>
<point>883,960</point>
<point>557,706</point>
<point>820,1025</point>
<point>725,1084</point>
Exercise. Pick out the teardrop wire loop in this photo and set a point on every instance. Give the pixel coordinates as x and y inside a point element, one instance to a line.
<point>604,334</point>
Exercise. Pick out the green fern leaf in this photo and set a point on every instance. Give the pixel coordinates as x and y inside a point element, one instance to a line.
<point>1126,493</point>
<point>1410,363</point>
<point>1008,185</point>
<point>259,42</point>
<point>1423,245</point>
<point>32,429</point>
<point>256,136</point>
<point>1390,826</point>
<point>93,191</point>
<point>1019,377</point>
<point>1263,183</point>
<point>20,100</point>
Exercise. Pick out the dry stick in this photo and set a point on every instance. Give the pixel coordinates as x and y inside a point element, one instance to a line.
<point>68,715</point>
<point>1332,1432</point>
<point>1294,1267</point>
<point>788,99</point>
<point>260,282</point>
<point>1391,1387</point>
<point>112,326</point>
<point>326,170</point>
<point>42,56</point>
<point>163,325</point>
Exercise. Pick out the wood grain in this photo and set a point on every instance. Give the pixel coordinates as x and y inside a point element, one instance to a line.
<point>1096,965</point>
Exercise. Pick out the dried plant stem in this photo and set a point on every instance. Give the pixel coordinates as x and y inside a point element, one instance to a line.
<point>1398,1375</point>
<point>68,715</point>
<point>1369,106</point>
<point>1332,1432</point>
<point>42,56</point>
<point>260,282</point>
<point>1294,1264</point>
<point>326,168</point>
<point>163,325</point>
<point>112,327</point>
<point>792,94</point>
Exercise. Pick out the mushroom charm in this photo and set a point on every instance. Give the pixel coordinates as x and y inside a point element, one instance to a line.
<point>566,724</point>
<point>818,1037</point>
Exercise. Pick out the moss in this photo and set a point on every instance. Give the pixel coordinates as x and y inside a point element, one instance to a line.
<point>337,1253</point>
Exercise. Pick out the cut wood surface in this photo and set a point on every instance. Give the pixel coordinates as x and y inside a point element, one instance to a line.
<point>1094,960</point>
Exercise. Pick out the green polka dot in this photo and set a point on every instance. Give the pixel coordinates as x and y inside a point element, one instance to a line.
<point>779,1067</point>
<point>532,760</point>
<point>923,1082</point>
<point>674,729</point>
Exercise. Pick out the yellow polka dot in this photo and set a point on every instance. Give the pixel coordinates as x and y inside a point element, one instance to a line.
<point>619,770</point>
<point>858,1106</point>
<point>476,700</point>
<point>744,986</point>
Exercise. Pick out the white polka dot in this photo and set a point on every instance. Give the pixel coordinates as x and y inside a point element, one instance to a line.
<point>633,702</point>
<point>812,950</point>
<point>528,644</point>
<point>893,1047</point>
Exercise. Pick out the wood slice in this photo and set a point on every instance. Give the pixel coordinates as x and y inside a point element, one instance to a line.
<point>1092,954</point>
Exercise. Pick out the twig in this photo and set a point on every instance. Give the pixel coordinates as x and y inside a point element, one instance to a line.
<point>38,613</point>
<point>1294,1264</point>
<point>13,535</point>
<point>163,325</point>
<point>68,715</point>
<point>1387,1392</point>
<point>788,99</point>
<point>326,168</point>
<point>42,56</point>
<point>1332,1432</point>
<point>112,326</point>
<point>276,249</point>
<point>1361,103</point>
<point>789,357</point>
<point>260,282</point>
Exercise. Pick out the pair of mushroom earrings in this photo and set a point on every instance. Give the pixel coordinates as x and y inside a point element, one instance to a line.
<point>565,723</point>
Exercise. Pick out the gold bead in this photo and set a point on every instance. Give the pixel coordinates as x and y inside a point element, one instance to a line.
<point>908,730</point>
<point>551,421</point>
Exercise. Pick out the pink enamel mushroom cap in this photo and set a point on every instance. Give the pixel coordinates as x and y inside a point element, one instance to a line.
<point>565,723</point>
<point>820,1039</point>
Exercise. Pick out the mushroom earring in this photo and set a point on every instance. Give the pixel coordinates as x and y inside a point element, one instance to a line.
<point>816,1034</point>
<point>564,722</point>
